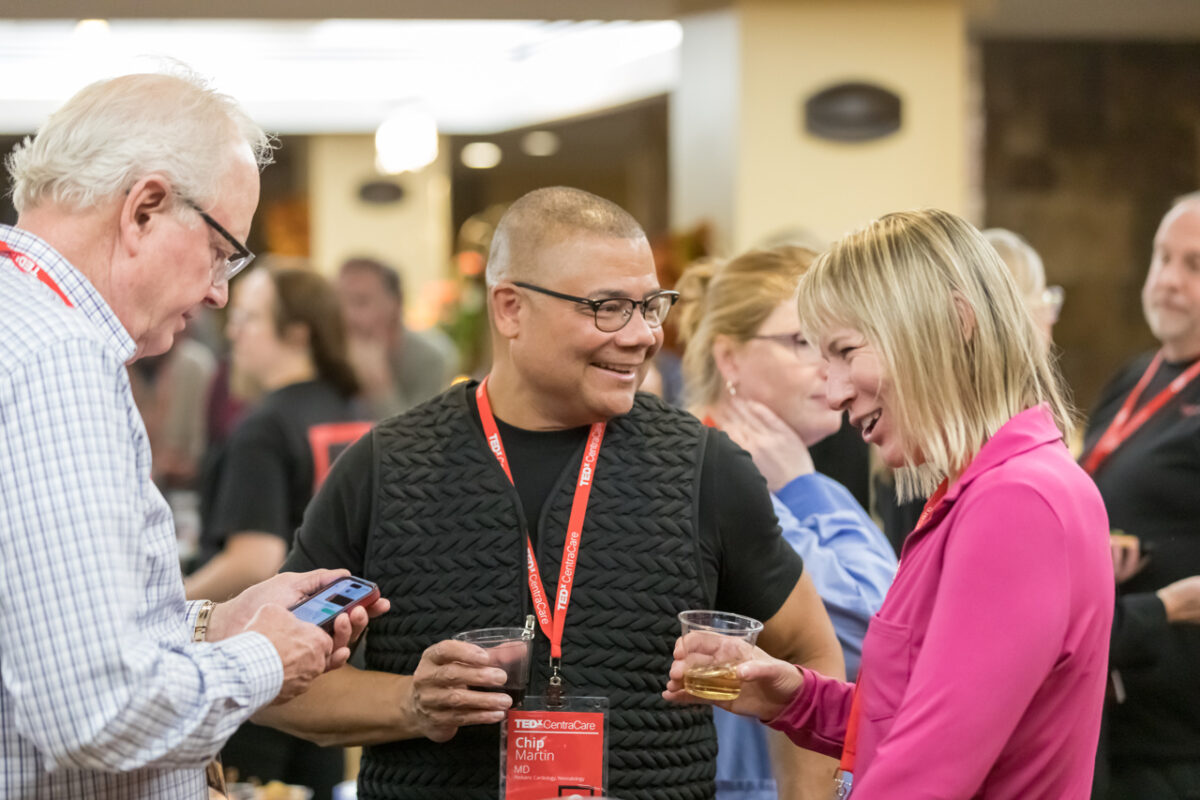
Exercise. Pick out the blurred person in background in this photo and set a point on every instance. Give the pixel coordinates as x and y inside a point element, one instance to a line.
<point>1023,262</point>
<point>752,373</point>
<point>287,340</point>
<point>1142,448</point>
<point>396,366</point>
<point>133,201</point>
<point>983,672</point>
<point>170,391</point>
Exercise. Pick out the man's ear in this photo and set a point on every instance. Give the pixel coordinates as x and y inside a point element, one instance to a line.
<point>143,210</point>
<point>505,301</point>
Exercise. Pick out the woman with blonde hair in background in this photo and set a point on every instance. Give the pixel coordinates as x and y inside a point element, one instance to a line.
<point>983,673</point>
<point>750,371</point>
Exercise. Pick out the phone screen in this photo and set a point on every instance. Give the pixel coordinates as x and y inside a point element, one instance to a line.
<point>332,599</point>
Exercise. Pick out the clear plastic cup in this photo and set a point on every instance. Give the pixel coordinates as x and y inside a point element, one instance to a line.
<point>715,643</point>
<point>509,649</point>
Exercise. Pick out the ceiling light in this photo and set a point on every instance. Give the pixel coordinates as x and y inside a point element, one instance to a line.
<point>406,141</point>
<point>481,155</point>
<point>86,28</point>
<point>540,143</point>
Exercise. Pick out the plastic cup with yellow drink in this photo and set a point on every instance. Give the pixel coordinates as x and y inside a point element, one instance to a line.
<point>715,642</point>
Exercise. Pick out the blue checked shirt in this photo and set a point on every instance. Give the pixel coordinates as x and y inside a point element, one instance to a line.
<point>102,692</point>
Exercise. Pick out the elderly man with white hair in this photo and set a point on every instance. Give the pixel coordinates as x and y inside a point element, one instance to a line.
<point>133,201</point>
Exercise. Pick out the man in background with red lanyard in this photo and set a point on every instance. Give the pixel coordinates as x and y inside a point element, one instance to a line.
<point>441,505</point>
<point>132,202</point>
<point>1143,450</point>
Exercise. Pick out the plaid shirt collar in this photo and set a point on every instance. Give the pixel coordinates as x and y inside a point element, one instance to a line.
<point>74,285</point>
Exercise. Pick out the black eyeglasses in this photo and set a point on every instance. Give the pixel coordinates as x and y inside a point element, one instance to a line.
<point>795,340</point>
<point>613,313</point>
<point>226,268</point>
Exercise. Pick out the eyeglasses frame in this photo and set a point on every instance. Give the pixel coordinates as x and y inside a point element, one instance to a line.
<point>594,305</point>
<point>243,253</point>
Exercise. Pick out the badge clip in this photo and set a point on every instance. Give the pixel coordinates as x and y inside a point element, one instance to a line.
<point>554,689</point>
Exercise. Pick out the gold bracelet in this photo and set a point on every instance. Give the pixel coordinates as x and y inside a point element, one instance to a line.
<point>201,629</point>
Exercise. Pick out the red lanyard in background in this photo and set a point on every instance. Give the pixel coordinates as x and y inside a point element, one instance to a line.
<point>552,624</point>
<point>29,266</point>
<point>1124,425</point>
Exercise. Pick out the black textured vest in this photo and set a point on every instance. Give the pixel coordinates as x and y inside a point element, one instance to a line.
<point>446,546</point>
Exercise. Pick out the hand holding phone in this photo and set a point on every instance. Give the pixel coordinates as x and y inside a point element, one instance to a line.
<point>338,597</point>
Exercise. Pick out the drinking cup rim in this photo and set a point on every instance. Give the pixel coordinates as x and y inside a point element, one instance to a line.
<point>496,635</point>
<point>749,624</point>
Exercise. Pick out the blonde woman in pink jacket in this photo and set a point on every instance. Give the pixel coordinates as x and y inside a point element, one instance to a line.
<point>983,673</point>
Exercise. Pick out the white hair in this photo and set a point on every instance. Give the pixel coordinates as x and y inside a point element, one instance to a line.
<point>114,132</point>
<point>1021,259</point>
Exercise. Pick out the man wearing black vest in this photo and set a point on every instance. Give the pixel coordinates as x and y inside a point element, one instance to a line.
<point>677,518</point>
<point>1143,450</point>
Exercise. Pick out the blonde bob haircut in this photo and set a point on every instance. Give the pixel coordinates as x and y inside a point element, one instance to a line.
<point>959,347</point>
<point>732,299</point>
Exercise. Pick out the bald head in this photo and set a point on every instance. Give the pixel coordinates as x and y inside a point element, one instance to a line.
<point>547,216</point>
<point>1171,294</point>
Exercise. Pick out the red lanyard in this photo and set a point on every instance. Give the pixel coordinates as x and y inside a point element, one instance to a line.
<point>850,747</point>
<point>1123,425</point>
<point>932,502</point>
<point>552,624</point>
<point>29,266</point>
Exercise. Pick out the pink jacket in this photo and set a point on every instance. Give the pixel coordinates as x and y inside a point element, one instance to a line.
<point>983,673</point>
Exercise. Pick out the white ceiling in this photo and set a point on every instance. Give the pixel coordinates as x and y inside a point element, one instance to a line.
<point>476,76</point>
<point>299,76</point>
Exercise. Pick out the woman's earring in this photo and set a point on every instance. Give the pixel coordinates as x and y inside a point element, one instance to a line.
<point>731,387</point>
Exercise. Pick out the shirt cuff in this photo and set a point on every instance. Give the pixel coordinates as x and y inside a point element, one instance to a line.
<point>810,493</point>
<point>261,671</point>
<point>193,611</point>
<point>1147,606</point>
<point>783,721</point>
<point>804,718</point>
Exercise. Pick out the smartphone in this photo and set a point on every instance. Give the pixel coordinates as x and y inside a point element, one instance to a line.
<point>342,595</point>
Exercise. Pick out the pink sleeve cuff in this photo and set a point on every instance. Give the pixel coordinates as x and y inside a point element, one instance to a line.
<point>805,720</point>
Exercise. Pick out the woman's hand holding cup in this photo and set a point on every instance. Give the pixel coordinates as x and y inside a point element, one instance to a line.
<point>717,663</point>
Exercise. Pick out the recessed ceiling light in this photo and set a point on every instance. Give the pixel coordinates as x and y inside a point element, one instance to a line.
<point>481,155</point>
<point>540,143</point>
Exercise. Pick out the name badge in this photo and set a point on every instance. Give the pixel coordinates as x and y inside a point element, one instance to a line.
<point>559,751</point>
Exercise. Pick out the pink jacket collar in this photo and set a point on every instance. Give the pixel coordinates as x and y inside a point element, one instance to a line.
<point>1031,428</point>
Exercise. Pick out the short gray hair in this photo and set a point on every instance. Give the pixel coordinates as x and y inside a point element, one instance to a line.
<point>116,131</point>
<point>546,215</point>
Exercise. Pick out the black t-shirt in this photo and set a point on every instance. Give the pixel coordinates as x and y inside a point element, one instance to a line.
<point>262,478</point>
<point>748,567</point>
<point>1151,488</point>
